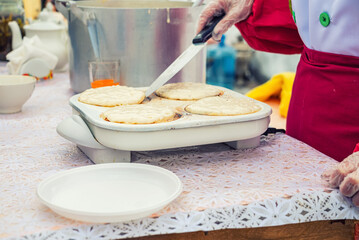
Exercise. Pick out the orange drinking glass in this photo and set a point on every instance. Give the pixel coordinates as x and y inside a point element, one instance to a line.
<point>104,73</point>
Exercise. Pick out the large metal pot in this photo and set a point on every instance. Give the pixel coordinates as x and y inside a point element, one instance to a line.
<point>145,36</point>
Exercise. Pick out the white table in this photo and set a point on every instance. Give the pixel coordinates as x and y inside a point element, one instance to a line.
<point>275,184</point>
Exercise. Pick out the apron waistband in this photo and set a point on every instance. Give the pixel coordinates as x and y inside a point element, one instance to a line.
<point>317,57</point>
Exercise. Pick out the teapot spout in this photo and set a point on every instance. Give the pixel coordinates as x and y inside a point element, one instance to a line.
<point>16,34</point>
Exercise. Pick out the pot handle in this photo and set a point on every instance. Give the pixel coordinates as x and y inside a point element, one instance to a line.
<point>64,7</point>
<point>92,29</point>
<point>88,19</point>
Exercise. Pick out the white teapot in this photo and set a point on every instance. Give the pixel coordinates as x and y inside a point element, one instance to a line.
<point>53,36</point>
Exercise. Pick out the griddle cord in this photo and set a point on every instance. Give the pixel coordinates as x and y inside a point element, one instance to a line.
<point>273,131</point>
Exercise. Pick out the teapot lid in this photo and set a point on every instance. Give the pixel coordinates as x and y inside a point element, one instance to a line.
<point>44,26</point>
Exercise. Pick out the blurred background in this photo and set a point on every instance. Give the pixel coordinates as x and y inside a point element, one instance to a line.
<point>230,63</point>
<point>21,11</point>
<point>252,68</point>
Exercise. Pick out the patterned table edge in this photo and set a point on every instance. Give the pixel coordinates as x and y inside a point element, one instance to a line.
<point>306,207</point>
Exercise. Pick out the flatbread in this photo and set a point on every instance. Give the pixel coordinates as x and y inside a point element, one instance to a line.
<point>223,106</point>
<point>139,114</point>
<point>178,105</point>
<point>112,96</point>
<point>188,91</point>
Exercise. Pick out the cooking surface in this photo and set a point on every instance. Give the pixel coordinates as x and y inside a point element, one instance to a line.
<point>92,114</point>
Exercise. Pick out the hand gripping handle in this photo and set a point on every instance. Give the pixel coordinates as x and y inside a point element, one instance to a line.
<point>206,32</point>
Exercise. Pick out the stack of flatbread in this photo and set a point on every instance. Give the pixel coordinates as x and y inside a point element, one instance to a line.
<point>129,105</point>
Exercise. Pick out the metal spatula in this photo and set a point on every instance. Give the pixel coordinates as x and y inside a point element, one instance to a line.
<point>198,44</point>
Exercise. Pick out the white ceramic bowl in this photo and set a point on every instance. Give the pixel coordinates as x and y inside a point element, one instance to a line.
<point>15,90</point>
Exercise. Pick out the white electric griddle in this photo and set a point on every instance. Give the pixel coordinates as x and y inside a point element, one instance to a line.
<point>105,142</point>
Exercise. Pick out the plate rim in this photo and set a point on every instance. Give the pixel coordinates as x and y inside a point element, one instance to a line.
<point>63,173</point>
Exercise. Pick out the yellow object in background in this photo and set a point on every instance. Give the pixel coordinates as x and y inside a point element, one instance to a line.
<point>32,8</point>
<point>280,85</point>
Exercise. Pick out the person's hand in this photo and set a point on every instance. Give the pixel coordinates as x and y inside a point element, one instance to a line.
<point>235,10</point>
<point>345,176</point>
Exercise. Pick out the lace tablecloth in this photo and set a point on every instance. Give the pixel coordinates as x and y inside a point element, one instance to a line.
<point>274,184</point>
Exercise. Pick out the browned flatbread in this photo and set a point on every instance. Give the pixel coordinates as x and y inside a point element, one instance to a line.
<point>140,114</point>
<point>188,91</point>
<point>223,106</point>
<point>178,105</point>
<point>112,96</point>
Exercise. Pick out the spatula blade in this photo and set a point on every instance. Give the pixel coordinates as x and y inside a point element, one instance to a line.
<point>175,67</point>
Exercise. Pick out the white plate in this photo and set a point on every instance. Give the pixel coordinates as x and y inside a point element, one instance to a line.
<point>112,192</point>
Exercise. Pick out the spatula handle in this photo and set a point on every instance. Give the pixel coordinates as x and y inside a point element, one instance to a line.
<point>206,32</point>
